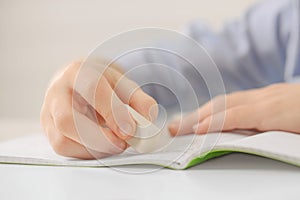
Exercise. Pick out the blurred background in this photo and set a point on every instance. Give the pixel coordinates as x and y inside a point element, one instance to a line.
<point>39,37</point>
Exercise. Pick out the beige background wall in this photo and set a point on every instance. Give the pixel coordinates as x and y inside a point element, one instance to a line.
<point>38,37</point>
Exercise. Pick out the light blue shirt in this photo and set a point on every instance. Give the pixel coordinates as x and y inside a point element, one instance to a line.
<point>260,49</point>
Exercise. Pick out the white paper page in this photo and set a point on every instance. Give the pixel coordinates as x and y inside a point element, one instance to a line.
<point>176,152</point>
<point>203,144</point>
<point>278,145</point>
<point>35,149</point>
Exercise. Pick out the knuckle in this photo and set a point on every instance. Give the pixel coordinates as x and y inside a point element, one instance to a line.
<point>67,72</point>
<point>54,85</point>
<point>146,106</point>
<point>109,74</point>
<point>148,102</point>
<point>90,88</point>
<point>87,83</point>
<point>62,121</point>
<point>108,115</point>
<point>98,90</point>
<point>76,64</point>
<point>59,143</point>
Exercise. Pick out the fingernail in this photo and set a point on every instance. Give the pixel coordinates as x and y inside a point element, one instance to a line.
<point>125,128</point>
<point>196,127</point>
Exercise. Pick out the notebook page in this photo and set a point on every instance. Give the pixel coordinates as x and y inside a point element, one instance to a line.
<point>35,149</point>
<point>278,145</point>
<point>203,144</point>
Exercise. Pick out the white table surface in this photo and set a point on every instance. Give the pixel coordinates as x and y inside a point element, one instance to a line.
<point>235,176</point>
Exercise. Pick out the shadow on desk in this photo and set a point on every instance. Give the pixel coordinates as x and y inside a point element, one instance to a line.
<point>234,161</point>
<point>240,161</point>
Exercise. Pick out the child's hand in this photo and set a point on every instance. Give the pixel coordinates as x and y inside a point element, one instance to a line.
<point>276,107</point>
<point>93,100</point>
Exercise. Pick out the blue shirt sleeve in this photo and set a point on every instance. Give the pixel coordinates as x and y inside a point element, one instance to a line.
<point>259,49</point>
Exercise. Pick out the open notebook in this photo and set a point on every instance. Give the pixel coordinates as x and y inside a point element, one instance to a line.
<point>178,153</point>
<point>153,145</point>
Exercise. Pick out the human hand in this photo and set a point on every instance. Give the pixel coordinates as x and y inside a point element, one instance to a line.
<point>276,107</point>
<point>85,116</point>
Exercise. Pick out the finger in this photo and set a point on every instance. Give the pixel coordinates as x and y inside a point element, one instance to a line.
<point>240,117</point>
<point>82,106</point>
<point>65,146</point>
<point>81,129</point>
<point>184,125</point>
<point>216,105</point>
<point>96,90</point>
<point>144,104</point>
<point>130,93</point>
<point>61,89</point>
<point>224,102</point>
<point>96,137</point>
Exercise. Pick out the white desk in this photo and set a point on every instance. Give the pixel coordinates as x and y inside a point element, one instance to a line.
<point>235,176</point>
